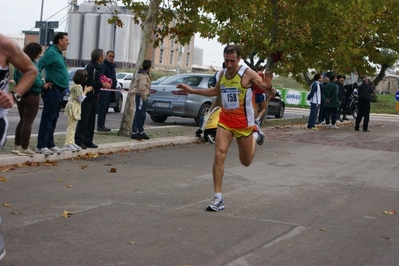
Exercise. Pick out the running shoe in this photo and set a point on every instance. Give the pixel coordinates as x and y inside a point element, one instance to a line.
<point>44,151</point>
<point>57,150</point>
<point>26,152</point>
<point>217,204</point>
<point>261,136</point>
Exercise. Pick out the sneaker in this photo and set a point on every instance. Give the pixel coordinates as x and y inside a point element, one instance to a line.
<point>144,136</point>
<point>2,249</point>
<point>217,204</point>
<point>105,129</point>
<point>313,128</point>
<point>211,138</point>
<point>69,147</point>
<point>26,152</point>
<point>328,125</point>
<point>77,147</point>
<point>16,149</point>
<point>57,150</point>
<point>44,151</point>
<point>261,136</point>
<point>334,127</point>
<point>136,136</point>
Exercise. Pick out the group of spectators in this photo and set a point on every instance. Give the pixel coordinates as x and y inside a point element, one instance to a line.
<point>329,99</point>
<point>89,95</point>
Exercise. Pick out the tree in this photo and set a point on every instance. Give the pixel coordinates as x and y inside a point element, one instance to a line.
<point>292,35</point>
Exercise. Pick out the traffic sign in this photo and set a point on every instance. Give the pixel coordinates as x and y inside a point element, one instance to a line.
<point>397,96</point>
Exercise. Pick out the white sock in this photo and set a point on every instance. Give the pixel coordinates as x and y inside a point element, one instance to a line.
<point>255,134</point>
<point>219,195</point>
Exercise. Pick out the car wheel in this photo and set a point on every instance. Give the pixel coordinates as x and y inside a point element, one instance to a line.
<point>280,112</point>
<point>118,107</point>
<point>202,111</point>
<point>158,118</point>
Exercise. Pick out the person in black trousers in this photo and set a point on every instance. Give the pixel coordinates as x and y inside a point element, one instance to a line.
<point>364,92</point>
<point>85,128</point>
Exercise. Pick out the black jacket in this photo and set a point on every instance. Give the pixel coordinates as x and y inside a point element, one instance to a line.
<point>93,79</point>
<point>108,69</point>
<point>364,92</point>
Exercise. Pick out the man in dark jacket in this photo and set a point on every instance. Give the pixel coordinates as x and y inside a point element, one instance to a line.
<point>107,69</point>
<point>85,128</point>
<point>331,102</point>
<point>364,100</point>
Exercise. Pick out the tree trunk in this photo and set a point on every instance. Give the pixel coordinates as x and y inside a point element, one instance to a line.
<point>149,24</point>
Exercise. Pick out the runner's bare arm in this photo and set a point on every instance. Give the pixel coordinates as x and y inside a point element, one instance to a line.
<point>22,62</point>
<point>213,91</point>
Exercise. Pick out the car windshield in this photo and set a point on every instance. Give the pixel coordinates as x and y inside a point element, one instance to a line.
<point>189,80</point>
<point>120,75</point>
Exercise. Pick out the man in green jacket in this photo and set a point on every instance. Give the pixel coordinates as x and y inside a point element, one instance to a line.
<point>56,72</point>
<point>330,96</point>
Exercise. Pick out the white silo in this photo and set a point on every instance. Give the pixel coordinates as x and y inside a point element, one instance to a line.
<point>75,29</point>
<point>90,35</point>
<point>106,33</point>
<point>122,40</point>
<point>87,7</point>
<point>135,41</point>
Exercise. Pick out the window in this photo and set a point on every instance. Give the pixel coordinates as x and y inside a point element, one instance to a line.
<point>172,43</point>
<point>171,58</point>
<point>161,56</point>
<point>188,59</point>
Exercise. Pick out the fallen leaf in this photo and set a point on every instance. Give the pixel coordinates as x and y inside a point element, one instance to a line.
<point>385,237</point>
<point>391,212</point>
<point>16,213</point>
<point>69,186</point>
<point>66,214</point>
<point>7,204</point>
<point>322,229</point>
<point>3,179</point>
<point>59,180</point>
<point>131,242</point>
<point>83,166</point>
<point>112,170</point>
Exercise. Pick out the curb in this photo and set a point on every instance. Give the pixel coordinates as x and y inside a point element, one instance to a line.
<point>12,159</point>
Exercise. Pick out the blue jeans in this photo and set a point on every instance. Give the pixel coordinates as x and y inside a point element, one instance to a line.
<point>105,98</point>
<point>313,115</point>
<point>52,99</point>
<point>139,115</point>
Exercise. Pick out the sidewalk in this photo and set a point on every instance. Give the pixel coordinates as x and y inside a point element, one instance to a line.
<point>383,136</point>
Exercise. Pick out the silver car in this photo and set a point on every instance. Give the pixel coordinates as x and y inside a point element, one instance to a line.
<point>167,100</point>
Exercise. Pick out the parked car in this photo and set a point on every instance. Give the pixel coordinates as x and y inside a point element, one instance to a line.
<point>161,79</point>
<point>116,96</point>
<point>124,79</point>
<point>276,106</point>
<point>167,100</point>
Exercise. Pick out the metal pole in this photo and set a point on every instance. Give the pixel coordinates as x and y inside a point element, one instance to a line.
<point>41,13</point>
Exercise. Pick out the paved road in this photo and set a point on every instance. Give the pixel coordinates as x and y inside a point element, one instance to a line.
<point>309,198</point>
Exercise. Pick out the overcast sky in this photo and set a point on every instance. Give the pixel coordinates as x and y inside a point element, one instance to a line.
<point>19,15</point>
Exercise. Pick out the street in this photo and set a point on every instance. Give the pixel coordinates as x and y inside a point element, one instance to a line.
<point>309,198</point>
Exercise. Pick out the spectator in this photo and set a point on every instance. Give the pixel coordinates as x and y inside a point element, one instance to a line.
<point>365,92</point>
<point>73,108</point>
<point>331,102</point>
<point>314,98</point>
<point>85,128</point>
<point>29,104</point>
<point>11,53</point>
<point>57,74</point>
<point>342,99</point>
<point>141,89</point>
<point>321,109</point>
<point>260,99</point>
<point>107,69</point>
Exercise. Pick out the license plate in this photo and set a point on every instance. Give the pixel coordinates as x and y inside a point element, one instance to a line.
<point>162,104</point>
